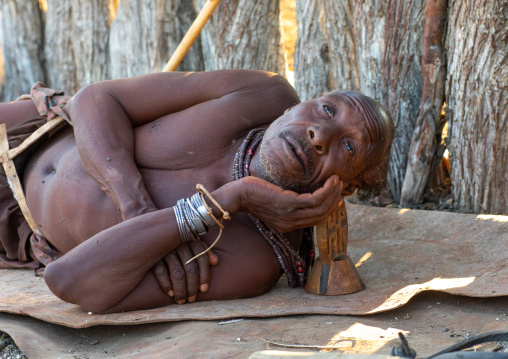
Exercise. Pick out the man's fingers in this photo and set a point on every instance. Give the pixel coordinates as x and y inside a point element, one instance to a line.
<point>332,186</point>
<point>309,216</point>
<point>212,258</point>
<point>177,274</point>
<point>162,275</point>
<point>191,271</point>
<point>203,265</point>
<point>329,192</point>
<point>321,202</point>
<point>288,210</point>
<point>313,207</point>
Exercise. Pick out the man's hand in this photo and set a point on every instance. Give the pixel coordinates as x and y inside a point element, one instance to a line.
<point>286,210</point>
<point>183,282</point>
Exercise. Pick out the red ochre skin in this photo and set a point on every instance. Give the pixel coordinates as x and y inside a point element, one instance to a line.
<point>102,190</point>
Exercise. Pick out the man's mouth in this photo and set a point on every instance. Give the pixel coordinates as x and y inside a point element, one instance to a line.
<point>295,153</point>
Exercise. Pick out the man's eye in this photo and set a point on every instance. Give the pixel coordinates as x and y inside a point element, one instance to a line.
<point>350,148</point>
<point>328,111</point>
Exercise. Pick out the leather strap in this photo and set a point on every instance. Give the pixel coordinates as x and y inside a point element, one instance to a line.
<point>7,156</point>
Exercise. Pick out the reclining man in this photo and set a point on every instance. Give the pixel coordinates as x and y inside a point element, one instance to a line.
<point>114,195</point>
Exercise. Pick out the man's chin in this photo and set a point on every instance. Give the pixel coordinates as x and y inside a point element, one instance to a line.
<point>269,171</point>
<point>289,185</point>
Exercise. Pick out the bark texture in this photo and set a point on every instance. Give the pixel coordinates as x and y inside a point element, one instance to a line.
<point>145,33</point>
<point>340,46</point>
<point>243,34</point>
<point>21,46</point>
<point>77,39</point>
<point>402,77</point>
<point>312,65</point>
<point>427,133</point>
<point>369,19</point>
<point>2,66</point>
<point>477,103</point>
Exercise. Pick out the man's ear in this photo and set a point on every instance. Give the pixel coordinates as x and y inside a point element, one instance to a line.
<point>350,189</point>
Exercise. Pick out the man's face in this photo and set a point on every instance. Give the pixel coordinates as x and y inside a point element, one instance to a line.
<point>313,141</point>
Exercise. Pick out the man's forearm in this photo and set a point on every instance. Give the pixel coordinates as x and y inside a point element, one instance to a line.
<point>103,270</point>
<point>105,141</point>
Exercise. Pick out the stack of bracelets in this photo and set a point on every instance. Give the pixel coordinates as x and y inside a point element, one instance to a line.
<point>194,217</point>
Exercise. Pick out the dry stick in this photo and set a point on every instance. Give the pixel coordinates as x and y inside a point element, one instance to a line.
<point>191,35</point>
<point>308,346</point>
<point>428,125</point>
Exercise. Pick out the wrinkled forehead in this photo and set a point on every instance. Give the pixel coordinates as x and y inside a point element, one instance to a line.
<point>366,109</point>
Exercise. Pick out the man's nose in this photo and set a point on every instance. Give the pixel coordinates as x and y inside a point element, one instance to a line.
<point>319,137</point>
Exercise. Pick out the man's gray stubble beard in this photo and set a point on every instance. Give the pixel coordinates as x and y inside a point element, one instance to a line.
<point>271,174</point>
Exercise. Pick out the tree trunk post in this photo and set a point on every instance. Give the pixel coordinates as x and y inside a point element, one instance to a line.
<point>243,34</point>
<point>312,50</point>
<point>22,47</point>
<point>402,77</point>
<point>146,33</point>
<point>429,124</point>
<point>369,19</point>
<point>77,38</point>
<point>477,103</point>
<point>340,46</point>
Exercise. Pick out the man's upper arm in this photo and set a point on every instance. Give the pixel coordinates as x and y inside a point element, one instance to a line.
<point>146,98</point>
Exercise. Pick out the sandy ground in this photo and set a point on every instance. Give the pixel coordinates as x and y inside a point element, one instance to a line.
<point>431,321</point>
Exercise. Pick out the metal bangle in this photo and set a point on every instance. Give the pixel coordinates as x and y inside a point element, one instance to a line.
<point>200,226</point>
<point>194,221</point>
<point>199,206</point>
<point>180,223</point>
<point>191,230</point>
<point>192,217</point>
<point>188,231</point>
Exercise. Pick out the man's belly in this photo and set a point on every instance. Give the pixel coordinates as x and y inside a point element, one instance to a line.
<point>65,202</point>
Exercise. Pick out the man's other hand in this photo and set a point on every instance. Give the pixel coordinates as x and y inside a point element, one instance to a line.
<point>183,282</point>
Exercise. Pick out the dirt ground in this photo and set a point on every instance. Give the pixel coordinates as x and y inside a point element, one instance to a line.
<point>431,321</point>
<point>9,349</point>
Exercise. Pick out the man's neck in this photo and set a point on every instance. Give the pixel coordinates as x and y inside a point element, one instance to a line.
<point>256,167</point>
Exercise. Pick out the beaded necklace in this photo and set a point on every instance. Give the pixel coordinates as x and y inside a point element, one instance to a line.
<point>296,266</point>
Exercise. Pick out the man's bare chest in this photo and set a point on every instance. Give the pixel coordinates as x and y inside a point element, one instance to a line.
<point>166,145</point>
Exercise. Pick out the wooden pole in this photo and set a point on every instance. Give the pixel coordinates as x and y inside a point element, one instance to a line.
<point>191,35</point>
<point>423,149</point>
